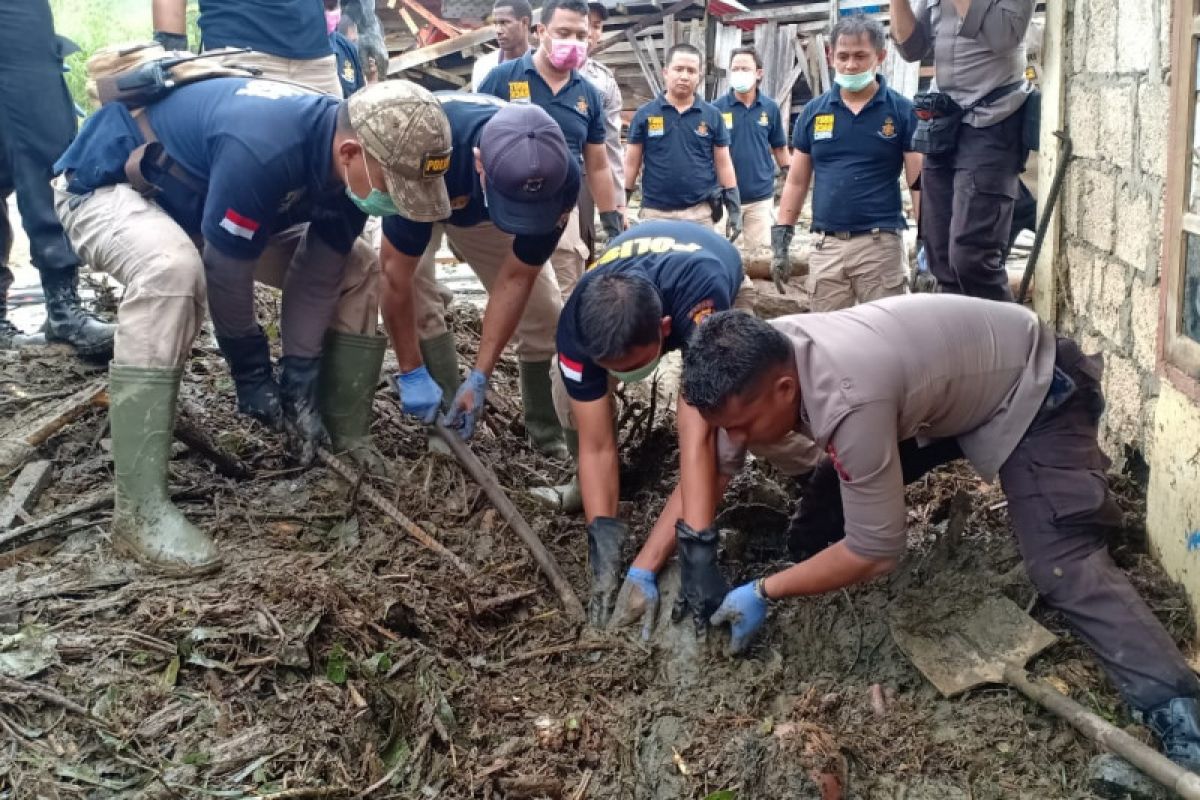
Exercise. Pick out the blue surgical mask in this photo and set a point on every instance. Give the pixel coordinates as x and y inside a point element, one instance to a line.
<point>637,375</point>
<point>856,82</point>
<point>376,203</point>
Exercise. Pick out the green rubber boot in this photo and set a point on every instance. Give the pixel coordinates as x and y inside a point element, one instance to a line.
<point>566,497</point>
<point>350,367</point>
<point>441,359</point>
<point>541,420</point>
<point>146,524</point>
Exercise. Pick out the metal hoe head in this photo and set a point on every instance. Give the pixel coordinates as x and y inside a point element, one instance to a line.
<point>973,648</point>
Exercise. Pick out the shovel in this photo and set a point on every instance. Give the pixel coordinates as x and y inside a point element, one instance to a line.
<point>991,645</point>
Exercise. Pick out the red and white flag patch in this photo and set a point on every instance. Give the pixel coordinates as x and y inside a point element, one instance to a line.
<point>570,369</point>
<point>239,225</point>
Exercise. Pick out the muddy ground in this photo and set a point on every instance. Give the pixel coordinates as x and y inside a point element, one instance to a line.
<point>334,657</point>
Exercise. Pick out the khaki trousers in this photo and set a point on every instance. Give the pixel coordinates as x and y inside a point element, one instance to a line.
<point>866,267</point>
<point>701,213</point>
<point>121,233</point>
<point>484,248</point>
<point>569,259</point>
<point>757,219</point>
<point>317,73</point>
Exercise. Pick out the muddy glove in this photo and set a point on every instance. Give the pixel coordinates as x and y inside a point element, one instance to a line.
<point>701,585</point>
<point>420,396</point>
<point>605,537</point>
<point>301,416</point>
<point>171,41</point>
<point>468,405</point>
<point>744,609</point>
<point>781,259</point>
<point>641,601</point>
<point>612,223</point>
<point>714,204</point>
<point>732,199</point>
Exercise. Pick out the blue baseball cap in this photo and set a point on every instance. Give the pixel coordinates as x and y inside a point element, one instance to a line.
<point>530,177</point>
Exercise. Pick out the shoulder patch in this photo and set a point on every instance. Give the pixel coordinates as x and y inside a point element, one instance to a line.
<point>701,311</point>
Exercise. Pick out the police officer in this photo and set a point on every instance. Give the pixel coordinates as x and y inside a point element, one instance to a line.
<point>850,143</point>
<point>758,143</point>
<point>349,65</point>
<point>645,296</point>
<point>288,38</point>
<point>683,144</point>
<point>275,183</point>
<point>1020,404</point>
<point>549,77</point>
<point>512,183</point>
<point>37,122</point>
<point>606,84</point>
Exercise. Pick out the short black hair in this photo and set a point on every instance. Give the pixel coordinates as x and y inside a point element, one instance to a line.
<point>617,312</point>
<point>578,6</point>
<point>520,8</point>
<point>727,356</point>
<point>747,51</point>
<point>686,49</point>
<point>856,25</point>
<point>598,8</point>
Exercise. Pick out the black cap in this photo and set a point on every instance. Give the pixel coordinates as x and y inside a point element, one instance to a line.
<point>527,169</point>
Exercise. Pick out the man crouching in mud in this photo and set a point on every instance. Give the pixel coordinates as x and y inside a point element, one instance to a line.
<point>871,384</point>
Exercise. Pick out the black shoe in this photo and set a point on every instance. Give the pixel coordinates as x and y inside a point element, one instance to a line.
<point>67,322</point>
<point>8,332</point>
<point>1177,725</point>
<point>301,412</point>
<point>817,520</point>
<point>249,359</point>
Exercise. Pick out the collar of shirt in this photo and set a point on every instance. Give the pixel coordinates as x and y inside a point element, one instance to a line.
<point>530,68</point>
<point>664,104</point>
<point>835,94</point>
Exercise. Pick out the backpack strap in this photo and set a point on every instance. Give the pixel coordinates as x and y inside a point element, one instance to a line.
<point>153,154</point>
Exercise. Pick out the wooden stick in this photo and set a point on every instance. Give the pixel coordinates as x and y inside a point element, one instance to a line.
<point>383,504</point>
<point>24,492</point>
<point>191,434</point>
<point>491,487</point>
<point>95,502</point>
<point>15,450</point>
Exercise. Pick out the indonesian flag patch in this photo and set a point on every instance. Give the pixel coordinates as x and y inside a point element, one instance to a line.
<point>570,369</point>
<point>239,225</point>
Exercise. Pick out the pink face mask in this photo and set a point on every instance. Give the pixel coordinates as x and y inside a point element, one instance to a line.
<point>567,53</point>
<point>332,19</point>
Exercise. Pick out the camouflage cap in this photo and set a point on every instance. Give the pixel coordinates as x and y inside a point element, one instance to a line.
<point>402,126</point>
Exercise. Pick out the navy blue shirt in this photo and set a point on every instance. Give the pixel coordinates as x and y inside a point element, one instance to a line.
<point>349,67</point>
<point>678,167</point>
<point>577,108</point>
<point>467,113</point>
<point>262,149</point>
<point>696,272</point>
<point>754,132</point>
<point>287,28</point>
<point>857,159</point>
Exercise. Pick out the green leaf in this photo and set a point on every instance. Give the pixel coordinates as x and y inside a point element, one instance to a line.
<point>377,665</point>
<point>171,673</point>
<point>723,794</point>
<point>337,666</point>
<point>198,758</point>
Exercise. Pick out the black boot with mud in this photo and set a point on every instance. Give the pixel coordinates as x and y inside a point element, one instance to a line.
<point>301,416</point>
<point>249,359</point>
<point>702,586</point>
<point>605,537</point>
<point>68,323</point>
<point>1177,725</point>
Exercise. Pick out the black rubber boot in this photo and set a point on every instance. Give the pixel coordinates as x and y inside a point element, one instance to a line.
<point>8,331</point>
<point>1176,723</point>
<point>301,412</point>
<point>249,359</point>
<point>67,322</point>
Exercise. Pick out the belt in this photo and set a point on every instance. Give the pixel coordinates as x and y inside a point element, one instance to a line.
<point>843,235</point>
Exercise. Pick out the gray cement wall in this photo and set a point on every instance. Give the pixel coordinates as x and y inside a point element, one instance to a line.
<point>1117,65</point>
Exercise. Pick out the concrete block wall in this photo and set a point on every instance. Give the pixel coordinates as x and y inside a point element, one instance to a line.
<point>1116,69</point>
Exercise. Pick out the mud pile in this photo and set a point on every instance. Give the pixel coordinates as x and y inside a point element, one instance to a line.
<point>334,657</point>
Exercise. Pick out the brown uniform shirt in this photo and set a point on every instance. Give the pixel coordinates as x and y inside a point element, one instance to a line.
<point>924,366</point>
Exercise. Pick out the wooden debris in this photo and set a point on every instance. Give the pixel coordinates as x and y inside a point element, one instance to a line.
<point>24,493</point>
<point>95,502</point>
<point>20,442</point>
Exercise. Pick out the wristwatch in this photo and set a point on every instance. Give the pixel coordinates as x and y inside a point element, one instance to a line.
<point>760,589</point>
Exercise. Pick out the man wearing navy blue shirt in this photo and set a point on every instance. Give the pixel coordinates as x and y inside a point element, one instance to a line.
<point>220,183</point>
<point>683,143</point>
<point>349,64</point>
<point>851,144</point>
<point>549,77</point>
<point>758,144</point>
<point>512,184</point>
<point>288,38</point>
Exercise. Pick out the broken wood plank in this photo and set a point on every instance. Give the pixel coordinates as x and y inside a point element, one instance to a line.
<point>100,500</point>
<point>643,62</point>
<point>18,447</point>
<point>428,16</point>
<point>645,22</point>
<point>423,55</point>
<point>25,491</point>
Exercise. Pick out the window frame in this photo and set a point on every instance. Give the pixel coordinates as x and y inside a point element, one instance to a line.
<point>1179,355</point>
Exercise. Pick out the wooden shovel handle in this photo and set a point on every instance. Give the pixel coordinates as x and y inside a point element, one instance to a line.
<point>1108,736</point>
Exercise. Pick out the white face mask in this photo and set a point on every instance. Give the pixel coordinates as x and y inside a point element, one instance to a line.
<point>742,81</point>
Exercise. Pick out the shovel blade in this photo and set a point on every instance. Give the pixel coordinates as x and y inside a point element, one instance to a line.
<point>973,648</point>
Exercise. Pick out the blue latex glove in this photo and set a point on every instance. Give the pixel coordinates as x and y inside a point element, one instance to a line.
<point>468,404</point>
<point>642,600</point>
<point>420,396</point>
<point>745,611</point>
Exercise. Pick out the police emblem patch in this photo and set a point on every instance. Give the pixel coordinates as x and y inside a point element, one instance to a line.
<point>702,128</point>
<point>888,129</point>
<point>348,73</point>
<point>762,119</point>
<point>460,202</point>
<point>701,311</point>
<point>581,105</point>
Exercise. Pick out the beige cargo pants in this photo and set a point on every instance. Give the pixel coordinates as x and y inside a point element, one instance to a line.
<point>569,259</point>
<point>318,73</point>
<point>862,268</point>
<point>757,219</point>
<point>121,233</point>
<point>484,248</point>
